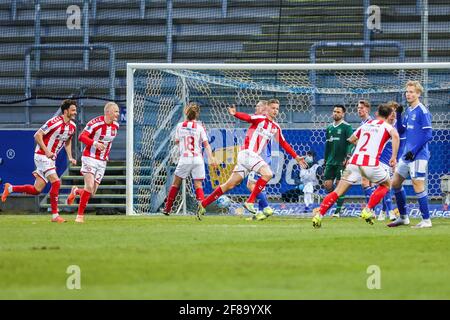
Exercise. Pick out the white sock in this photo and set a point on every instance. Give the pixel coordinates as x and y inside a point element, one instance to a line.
<point>55,215</point>
<point>78,216</point>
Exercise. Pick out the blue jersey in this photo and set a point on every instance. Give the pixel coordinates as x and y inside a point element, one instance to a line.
<point>367,120</point>
<point>268,156</point>
<point>418,132</point>
<point>387,152</point>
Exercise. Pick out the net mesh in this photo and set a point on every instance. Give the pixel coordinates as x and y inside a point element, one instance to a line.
<point>306,99</point>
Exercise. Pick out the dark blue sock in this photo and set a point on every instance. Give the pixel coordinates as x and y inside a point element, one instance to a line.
<point>422,198</point>
<point>384,204</point>
<point>262,201</point>
<point>400,198</point>
<point>388,201</point>
<point>368,192</point>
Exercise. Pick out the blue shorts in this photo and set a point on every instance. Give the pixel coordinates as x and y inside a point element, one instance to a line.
<point>417,169</point>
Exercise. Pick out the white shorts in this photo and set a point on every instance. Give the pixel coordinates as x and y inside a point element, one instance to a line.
<point>376,175</point>
<point>44,166</point>
<point>197,171</point>
<point>387,168</point>
<point>248,161</point>
<point>416,169</point>
<point>93,166</point>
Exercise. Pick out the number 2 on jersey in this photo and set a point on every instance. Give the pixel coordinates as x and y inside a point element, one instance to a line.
<point>363,147</point>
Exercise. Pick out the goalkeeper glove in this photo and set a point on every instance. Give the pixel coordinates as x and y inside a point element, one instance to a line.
<point>409,156</point>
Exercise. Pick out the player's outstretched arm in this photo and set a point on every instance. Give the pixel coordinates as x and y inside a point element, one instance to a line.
<point>287,147</point>
<point>242,115</point>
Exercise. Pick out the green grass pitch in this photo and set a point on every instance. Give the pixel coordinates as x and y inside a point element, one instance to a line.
<point>221,257</point>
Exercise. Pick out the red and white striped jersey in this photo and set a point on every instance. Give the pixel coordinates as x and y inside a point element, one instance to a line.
<point>261,131</point>
<point>56,133</point>
<point>372,137</point>
<point>98,130</point>
<point>190,136</point>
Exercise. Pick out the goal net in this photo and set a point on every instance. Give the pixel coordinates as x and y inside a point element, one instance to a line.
<point>158,93</point>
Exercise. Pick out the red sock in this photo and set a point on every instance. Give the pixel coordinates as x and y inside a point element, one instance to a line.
<point>28,188</point>
<point>83,202</point>
<point>328,202</point>
<point>259,186</point>
<point>212,197</point>
<point>79,192</point>
<point>54,193</point>
<point>171,198</point>
<point>377,196</point>
<point>199,194</point>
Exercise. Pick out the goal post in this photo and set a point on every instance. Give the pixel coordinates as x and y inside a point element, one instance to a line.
<point>158,92</point>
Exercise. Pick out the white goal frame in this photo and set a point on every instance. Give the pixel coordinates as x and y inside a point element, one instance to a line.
<point>131,67</point>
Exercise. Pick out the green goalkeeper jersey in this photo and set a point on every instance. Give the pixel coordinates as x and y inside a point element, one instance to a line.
<point>337,147</point>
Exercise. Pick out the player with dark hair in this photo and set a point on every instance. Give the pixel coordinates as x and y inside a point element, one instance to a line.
<point>337,151</point>
<point>50,138</point>
<point>370,140</point>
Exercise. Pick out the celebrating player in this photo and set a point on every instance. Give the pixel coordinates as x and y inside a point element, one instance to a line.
<point>415,157</point>
<point>262,129</point>
<point>263,204</point>
<point>98,136</point>
<point>50,138</point>
<point>337,151</point>
<point>190,135</point>
<point>371,139</point>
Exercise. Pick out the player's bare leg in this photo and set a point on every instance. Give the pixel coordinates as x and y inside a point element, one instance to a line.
<point>328,201</point>
<point>173,191</point>
<point>266,174</point>
<point>234,180</point>
<point>400,198</point>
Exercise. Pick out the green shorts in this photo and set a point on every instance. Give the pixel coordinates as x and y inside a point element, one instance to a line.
<point>333,171</point>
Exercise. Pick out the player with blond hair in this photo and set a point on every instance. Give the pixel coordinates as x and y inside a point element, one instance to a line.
<point>97,136</point>
<point>263,129</point>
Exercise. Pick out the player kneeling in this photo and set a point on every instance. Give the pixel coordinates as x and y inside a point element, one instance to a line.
<point>365,162</point>
<point>98,136</point>
<point>190,135</point>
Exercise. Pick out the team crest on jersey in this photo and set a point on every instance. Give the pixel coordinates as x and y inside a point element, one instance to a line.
<point>339,131</point>
<point>413,117</point>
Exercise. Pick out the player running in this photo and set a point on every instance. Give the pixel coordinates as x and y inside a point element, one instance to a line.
<point>262,130</point>
<point>98,136</point>
<point>337,151</point>
<point>264,211</point>
<point>414,160</point>
<point>51,137</point>
<point>365,161</point>
<point>190,135</point>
